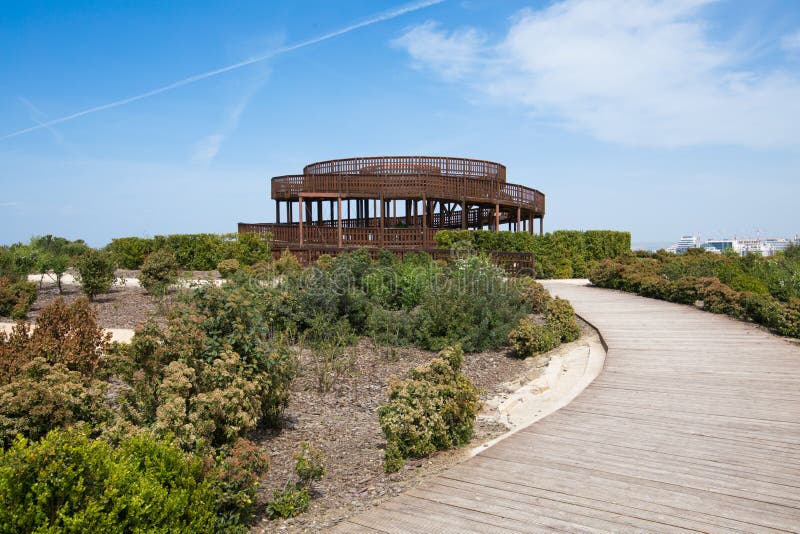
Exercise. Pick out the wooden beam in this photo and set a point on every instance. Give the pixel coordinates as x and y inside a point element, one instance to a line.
<point>300,208</point>
<point>339,221</point>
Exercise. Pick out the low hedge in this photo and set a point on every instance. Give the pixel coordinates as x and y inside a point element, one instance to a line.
<point>561,254</point>
<point>197,252</point>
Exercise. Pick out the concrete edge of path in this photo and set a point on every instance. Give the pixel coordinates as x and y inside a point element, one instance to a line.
<point>598,349</point>
<point>122,335</point>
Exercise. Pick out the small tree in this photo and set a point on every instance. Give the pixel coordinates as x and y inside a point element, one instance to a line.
<point>96,272</point>
<point>159,271</point>
<point>59,264</point>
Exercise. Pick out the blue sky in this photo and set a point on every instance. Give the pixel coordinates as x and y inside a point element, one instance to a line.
<point>658,117</point>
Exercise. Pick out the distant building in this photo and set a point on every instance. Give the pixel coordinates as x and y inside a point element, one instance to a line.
<point>763,247</point>
<point>686,242</point>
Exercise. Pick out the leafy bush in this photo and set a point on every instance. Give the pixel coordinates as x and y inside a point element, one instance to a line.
<point>68,482</point>
<point>228,268</point>
<point>292,501</point>
<point>212,375</point>
<point>309,463</point>
<point>433,409</point>
<point>130,252</point>
<point>294,498</point>
<point>237,474</point>
<point>44,396</point>
<point>560,318</point>
<point>96,272</point>
<point>16,297</point>
<point>159,271</point>
<point>529,338</point>
<point>65,334</point>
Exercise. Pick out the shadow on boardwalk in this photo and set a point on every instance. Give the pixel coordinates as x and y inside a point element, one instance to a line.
<point>694,424</point>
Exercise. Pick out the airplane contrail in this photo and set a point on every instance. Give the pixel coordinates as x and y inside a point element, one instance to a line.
<point>202,76</point>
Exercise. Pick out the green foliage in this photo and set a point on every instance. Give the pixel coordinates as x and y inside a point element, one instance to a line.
<point>198,252</point>
<point>309,463</point>
<point>529,338</point>
<point>561,254</point>
<point>159,271</point>
<point>433,409</point>
<point>16,297</point>
<point>560,318</point>
<point>237,474</point>
<point>68,482</point>
<point>44,396</point>
<point>228,268</point>
<point>213,374</point>
<point>294,498</point>
<point>96,272</point>
<point>292,501</point>
<point>130,252</point>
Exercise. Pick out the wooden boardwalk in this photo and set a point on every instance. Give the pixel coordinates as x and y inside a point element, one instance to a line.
<point>693,425</point>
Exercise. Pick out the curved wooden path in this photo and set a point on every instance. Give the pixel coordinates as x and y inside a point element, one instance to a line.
<point>693,425</point>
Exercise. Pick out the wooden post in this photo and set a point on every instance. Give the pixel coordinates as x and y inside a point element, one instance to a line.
<point>339,217</point>
<point>497,217</point>
<point>541,225</point>
<point>277,212</point>
<point>519,218</point>
<point>289,215</point>
<point>320,219</point>
<point>424,222</point>
<point>464,214</point>
<point>300,209</point>
<point>383,208</point>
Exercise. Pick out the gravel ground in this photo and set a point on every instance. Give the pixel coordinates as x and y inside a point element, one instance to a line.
<point>344,424</point>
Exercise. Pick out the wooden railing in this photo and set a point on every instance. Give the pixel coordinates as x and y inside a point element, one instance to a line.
<point>400,165</point>
<point>473,190</point>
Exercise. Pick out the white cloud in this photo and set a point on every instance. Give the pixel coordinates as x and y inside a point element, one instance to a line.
<point>791,42</point>
<point>208,147</point>
<point>639,73</point>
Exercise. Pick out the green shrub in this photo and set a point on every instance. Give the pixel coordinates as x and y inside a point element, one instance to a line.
<point>237,475</point>
<point>66,334</point>
<point>44,396</point>
<point>309,463</point>
<point>159,271</point>
<point>292,501</point>
<point>228,268</point>
<point>130,252</point>
<point>16,297</point>
<point>560,318</point>
<point>529,338</point>
<point>68,482</point>
<point>433,409</point>
<point>96,272</point>
<point>252,248</point>
<point>287,263</point>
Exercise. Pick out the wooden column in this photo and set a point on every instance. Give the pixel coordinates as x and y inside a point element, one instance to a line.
<point>339,218</point>
<point>383,214</point>
<point>424,222</point>
<point>541,225</point>
<point>289,215</point>
<point>497,217</point>
<point>464,214</point>
<point>277,212</point>
<point>519,218</point>
<point>320,219</point>
<point>300,209</point>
